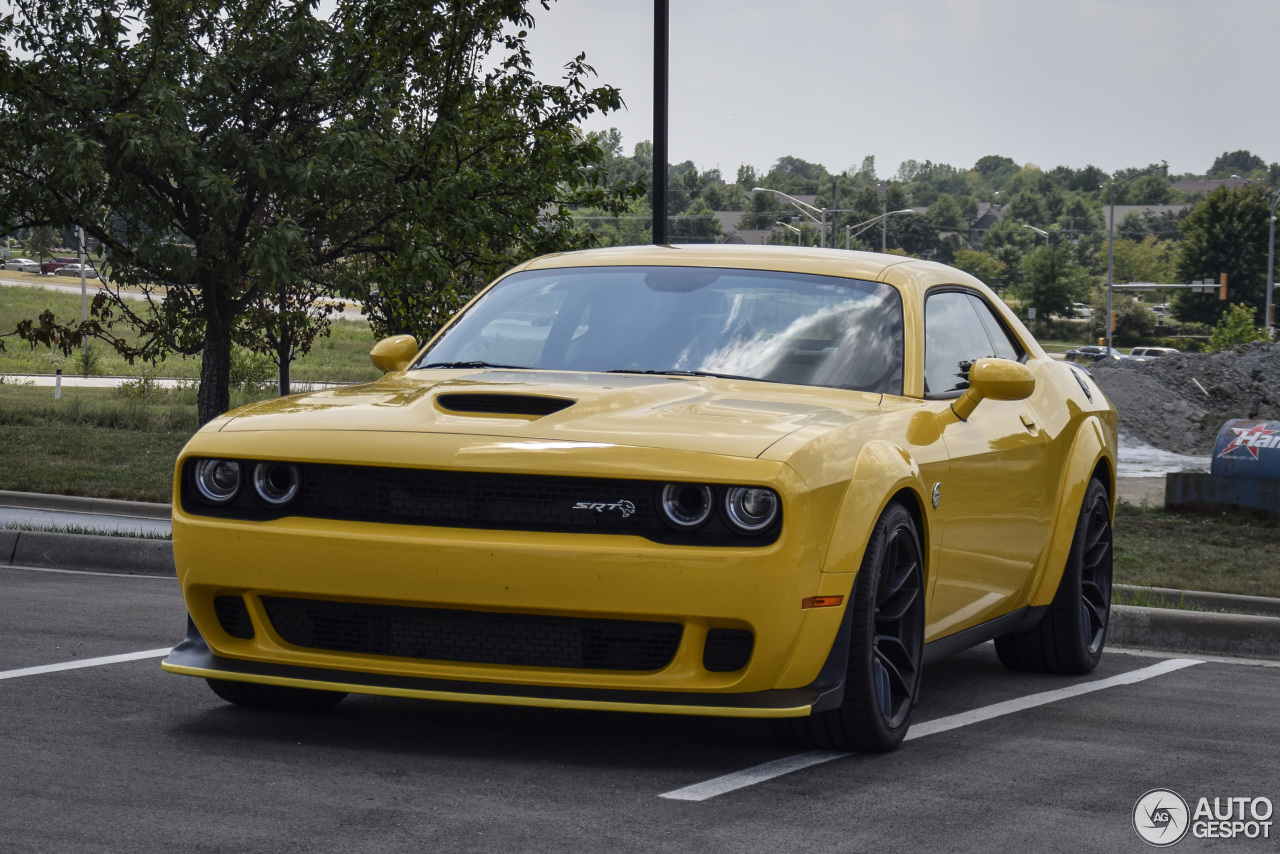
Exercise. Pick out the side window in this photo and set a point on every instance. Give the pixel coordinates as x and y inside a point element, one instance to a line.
<point>1006,347</point>
<point>954,338</point>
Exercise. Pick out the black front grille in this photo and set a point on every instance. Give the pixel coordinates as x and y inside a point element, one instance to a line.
<point>503,404</point>
<point>233,616</point>
<point>524,640</point>
<point>727,650</point>
<point>468,499</point>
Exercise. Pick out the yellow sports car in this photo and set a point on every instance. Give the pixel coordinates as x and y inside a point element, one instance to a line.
<point>709,480</point>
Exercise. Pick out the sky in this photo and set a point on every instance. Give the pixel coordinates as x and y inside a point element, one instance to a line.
<point>1112,83</point>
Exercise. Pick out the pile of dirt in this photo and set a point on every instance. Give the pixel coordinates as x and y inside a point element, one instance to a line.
<point>1180,401</point>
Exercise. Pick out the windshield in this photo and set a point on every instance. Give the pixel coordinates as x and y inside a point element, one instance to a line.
<point>776,327</point>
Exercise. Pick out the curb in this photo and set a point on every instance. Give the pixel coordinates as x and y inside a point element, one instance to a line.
<point>1203,599</point>
<point>124,555</point>
<point>76,504</point>
<point>1230,635</point>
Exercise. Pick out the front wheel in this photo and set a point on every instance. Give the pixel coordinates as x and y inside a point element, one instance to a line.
<point>1071,635</point>
<point>886,648</point>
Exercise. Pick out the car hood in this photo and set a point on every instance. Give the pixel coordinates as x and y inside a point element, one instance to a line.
<point>732,417</point>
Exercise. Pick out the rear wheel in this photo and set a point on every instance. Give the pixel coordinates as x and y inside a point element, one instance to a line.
<point>886,646</point>
<point>275,697</point>
<point>1071,636</point>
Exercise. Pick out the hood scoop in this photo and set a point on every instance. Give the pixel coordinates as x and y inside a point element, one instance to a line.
<point>502,404</point>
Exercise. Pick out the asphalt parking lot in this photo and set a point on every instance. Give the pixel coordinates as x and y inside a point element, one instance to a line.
<point>120,756</point>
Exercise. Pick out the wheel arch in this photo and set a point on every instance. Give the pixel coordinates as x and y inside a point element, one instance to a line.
<point>1091,456</point>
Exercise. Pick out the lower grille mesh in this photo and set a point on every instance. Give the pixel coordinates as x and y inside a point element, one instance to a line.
<point>727,650</point>
<point>471,636</point>
<point>233,616</point>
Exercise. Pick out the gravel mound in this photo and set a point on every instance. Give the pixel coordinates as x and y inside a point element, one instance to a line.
<point>1179,402</point>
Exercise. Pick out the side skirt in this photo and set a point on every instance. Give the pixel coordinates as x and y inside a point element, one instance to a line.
<point>1017,621</point>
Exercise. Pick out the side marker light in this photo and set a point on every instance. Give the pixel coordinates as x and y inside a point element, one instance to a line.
<point>821,601</point>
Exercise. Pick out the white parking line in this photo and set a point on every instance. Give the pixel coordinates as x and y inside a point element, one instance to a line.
<point>87,572</point>
<point>87,662</point>
<point>750,776</point>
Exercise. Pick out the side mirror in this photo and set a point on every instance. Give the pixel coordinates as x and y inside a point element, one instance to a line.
<point>998,379</point>
<point>395,353</point>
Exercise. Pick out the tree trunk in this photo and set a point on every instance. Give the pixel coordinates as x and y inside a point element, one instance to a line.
<point>214,397</point>
<point>285,360</point>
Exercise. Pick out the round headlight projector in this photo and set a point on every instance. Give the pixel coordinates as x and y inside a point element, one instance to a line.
<point>218,481</point>
<point>275,483</point>
<point>686,505</point>
<point>750,508</point>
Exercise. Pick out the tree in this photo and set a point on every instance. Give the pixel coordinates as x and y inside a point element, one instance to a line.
<point>1235,327</point>
<point>1134,321</point>
<point>1241,162</point>
<point>1052,282</point>
<point>42,242</point>
<point>1225,233</point>
<point>227,149</point>
<point>1147,260</point>
<point>982,266</point>
<point>945,213</point>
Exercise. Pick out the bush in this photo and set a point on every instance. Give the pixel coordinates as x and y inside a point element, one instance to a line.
<point>1235,327</point>
<point>250,371</point>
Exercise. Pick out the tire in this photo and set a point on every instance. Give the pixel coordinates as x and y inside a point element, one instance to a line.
<point>275,697</point>
<point>886,647</point>
<point>1071,635</point>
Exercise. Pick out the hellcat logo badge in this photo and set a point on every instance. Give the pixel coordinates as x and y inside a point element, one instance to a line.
<point>937,494</point>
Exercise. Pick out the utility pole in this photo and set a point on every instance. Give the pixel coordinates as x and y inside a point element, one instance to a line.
<point>84,301</point>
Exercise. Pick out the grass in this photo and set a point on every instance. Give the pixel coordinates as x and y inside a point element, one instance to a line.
<point>80,529</point>
<point>342,356</point>
<point>94,442</point>
<point>1224,554</point>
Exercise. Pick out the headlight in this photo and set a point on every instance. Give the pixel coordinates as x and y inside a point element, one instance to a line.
<point>686,505</point>
<point>275,483</point>
<point>750,508</point>
<point>217,481</point>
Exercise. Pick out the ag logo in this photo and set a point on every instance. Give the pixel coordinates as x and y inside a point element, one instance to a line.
<point>626,508</point>
<point>1160,817</point>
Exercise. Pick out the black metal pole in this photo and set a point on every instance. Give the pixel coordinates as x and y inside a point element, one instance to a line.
<point>661,31</point>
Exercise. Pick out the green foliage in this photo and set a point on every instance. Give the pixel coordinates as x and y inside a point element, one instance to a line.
<point>983,266</point>
<point>250,371</point>
<point>87,361</point>
<point>42,242</point>
<point>372,155</point>
<point>1052,281</point>
<point>1235,327</point>
<point>1226,232</point>
<point>1243,162</point>
<point>1148,260</point>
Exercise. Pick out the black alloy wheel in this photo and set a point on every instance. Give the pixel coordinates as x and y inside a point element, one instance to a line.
<point>1071,635</point>
<point>886,647</point>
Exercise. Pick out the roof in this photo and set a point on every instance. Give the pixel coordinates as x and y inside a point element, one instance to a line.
<point>1204,185</point>
<point>1123,211</point>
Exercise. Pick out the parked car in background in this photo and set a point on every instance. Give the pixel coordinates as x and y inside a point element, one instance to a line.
<point>24,265</point>
<point>57,264</point>
<point>1091,353</point>
<point>74,270</point>
<point>1146,354</point>
<point>737,481</point>
<point>1082,311</point>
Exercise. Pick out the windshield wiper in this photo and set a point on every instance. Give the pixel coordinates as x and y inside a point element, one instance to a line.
<point>694,374</point>
<point>448,365</point>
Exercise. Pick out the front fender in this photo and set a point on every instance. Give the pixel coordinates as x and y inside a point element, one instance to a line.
<point>1091,446</point>
<point>881,471</point>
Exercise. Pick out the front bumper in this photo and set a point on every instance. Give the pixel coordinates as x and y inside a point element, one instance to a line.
<point>193,657</point>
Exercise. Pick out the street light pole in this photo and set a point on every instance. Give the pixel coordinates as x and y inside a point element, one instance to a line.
<point>849,233</point>
<point>1039,231</point>
<point>792,228</point>
<point>661,40</point>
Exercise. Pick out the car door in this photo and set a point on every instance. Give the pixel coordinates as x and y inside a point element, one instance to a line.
<point>991,505</point>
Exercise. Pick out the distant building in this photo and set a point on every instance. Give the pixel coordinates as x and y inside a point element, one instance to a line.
<point>1203,185</point>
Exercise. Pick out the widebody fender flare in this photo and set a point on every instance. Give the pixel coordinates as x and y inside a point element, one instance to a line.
<point>1090,447</point>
